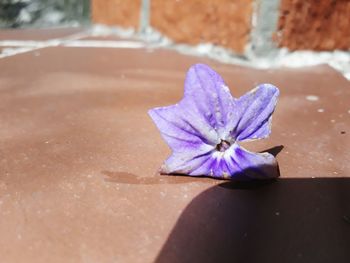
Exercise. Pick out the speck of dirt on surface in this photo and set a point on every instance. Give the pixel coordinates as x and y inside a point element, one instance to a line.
<point>312,98</point>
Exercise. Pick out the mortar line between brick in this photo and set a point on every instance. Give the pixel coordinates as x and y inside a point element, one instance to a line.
<point>144,16</point>
<point>264,25</point>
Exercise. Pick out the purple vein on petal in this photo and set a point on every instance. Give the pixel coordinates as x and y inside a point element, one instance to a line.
<point>257,165</point>
<point>179,132</point>
<point>176,164</point>
<point>201,165</point>
<point>208,94</point>
<point>215,100</point>
<point>197,171</point>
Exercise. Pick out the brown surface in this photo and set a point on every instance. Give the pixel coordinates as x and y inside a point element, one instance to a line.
<point>317,25</point>
<point>37,34</point>
<point>222,22</point>
<point>79,155</point>
<point>116,12</point>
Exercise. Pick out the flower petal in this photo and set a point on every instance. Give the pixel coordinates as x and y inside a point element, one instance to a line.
<point>236,163</point>
<point>202,113</point>
<point>256,108</point>
<point>184,163</point>
<point>253,165</point>
<point>181,129</point>
<point>206,94</point>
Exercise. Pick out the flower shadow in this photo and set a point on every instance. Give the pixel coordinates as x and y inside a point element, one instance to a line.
<point>274,150</point>
<point>285,220</point>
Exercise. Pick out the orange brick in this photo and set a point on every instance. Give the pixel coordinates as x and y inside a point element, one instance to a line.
<point>223,22</point>
<point>125,13</point>
<point>314,24</point>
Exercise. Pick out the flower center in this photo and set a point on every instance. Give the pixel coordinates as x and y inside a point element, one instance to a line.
<point>223,146</point>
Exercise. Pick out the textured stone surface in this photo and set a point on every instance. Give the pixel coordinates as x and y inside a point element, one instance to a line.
<point>79,158</point>
<point>313,24</point>
<point>223,22</point>
<point>116,12</point>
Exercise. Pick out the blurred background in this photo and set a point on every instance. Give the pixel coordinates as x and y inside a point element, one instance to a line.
<point>43,13</point>
<point>241,26</point>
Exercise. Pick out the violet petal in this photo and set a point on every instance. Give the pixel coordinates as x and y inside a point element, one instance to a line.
<point>181,128</point>
<point>208,96</point>
<point>256,108</point>
<point>235,163</point>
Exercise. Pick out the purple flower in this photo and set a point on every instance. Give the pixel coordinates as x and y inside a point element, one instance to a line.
<point>204,129</point>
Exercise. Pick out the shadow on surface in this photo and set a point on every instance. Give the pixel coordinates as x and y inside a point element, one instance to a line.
<point>274,150</point>
<point>286,220</point>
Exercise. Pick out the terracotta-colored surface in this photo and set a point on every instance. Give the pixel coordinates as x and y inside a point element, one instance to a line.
<point>224,22</point>
<point>317,25</point>
<point>37,34</point>
<point>79,159</point>
<point>116,12</point>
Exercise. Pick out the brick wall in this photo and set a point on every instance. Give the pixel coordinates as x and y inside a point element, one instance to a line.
<point>125,13</point>
<point>223,22</point>
<point>236,24</point>
<point>314,24</point>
